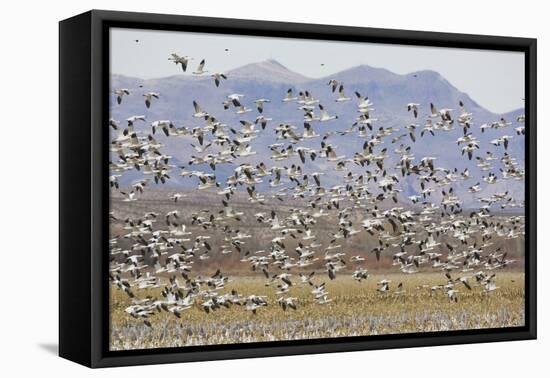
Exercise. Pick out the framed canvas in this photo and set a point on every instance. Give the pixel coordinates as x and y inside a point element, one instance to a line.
<point>236,188</point>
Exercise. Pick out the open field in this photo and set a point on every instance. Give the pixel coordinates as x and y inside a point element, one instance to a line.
<point>356,309</point>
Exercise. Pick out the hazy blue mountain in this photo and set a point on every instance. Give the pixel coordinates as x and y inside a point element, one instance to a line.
<point>269,71</point>
<point>389,92</point>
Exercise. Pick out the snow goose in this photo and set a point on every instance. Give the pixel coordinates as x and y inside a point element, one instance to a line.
<point>341,95</point>
<point>120,93</point>
<point>218,77</point>
<point>149,97</point>
<point>200,69</point>
<point>324,115</point>
<point>289,96</point>
<point>182,60</point>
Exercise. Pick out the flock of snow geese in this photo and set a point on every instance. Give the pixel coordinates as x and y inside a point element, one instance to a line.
<point>419,232</point>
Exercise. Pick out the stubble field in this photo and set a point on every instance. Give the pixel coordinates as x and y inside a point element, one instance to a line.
<point>356,309</point>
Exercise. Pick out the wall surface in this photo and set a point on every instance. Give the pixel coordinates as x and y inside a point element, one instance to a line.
<point>29,206</point>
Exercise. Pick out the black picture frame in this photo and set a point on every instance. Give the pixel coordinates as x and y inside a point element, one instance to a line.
<point>83,195</point>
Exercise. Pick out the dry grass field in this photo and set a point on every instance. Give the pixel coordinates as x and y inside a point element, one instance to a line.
<point>356,309</point>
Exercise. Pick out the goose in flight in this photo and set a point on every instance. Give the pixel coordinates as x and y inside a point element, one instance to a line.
<point>218,77</point>
<point>505,140</point>
<point>383,286</point>
<point>451,293</point>
<point>231,101</point>
<point>120,93</point>
<point>465,282</point>
<point>260,104</point>
<point>175,197</point>
<point>262,121</point>
<point>429,126</point>
<point>149,97</point>
<point>333,84</point>
<point>114,123</point>
<point>200,69</point>
<point>445,114</point>
<point>306,279</point>
<point>414,108</point>
<point>319,291</point>
<point>254,302</point>
<point>500,123</point>
<point>360,274</point>
<point>234,96</point>
<point>129,196</point>
<point>199,113</point>
<point>491,178</point>
<point>520,130</point>
<point>288,302</point>
<point>341,95</point>
<point>113,181</point>
<point>289,96</point>
<point>182,60</point>
<point>241,109</point>
<point>324,115</point>
<point>411,128</point>
<point>474,188</point>
<point>165,125</point>
<point>490,284</point>
<point>464,115</point>
<point>484,127</point>
<point>469,149</point>
<point>306,99</point>
<point>331,154</point>
<point>364,102</point>
<point>131,120</point>
<point>308,131</point>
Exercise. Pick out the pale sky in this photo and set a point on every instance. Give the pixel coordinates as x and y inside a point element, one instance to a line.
<point>494,79</point>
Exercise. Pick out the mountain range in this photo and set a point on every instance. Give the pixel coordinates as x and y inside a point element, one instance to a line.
<point>390,93</point>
